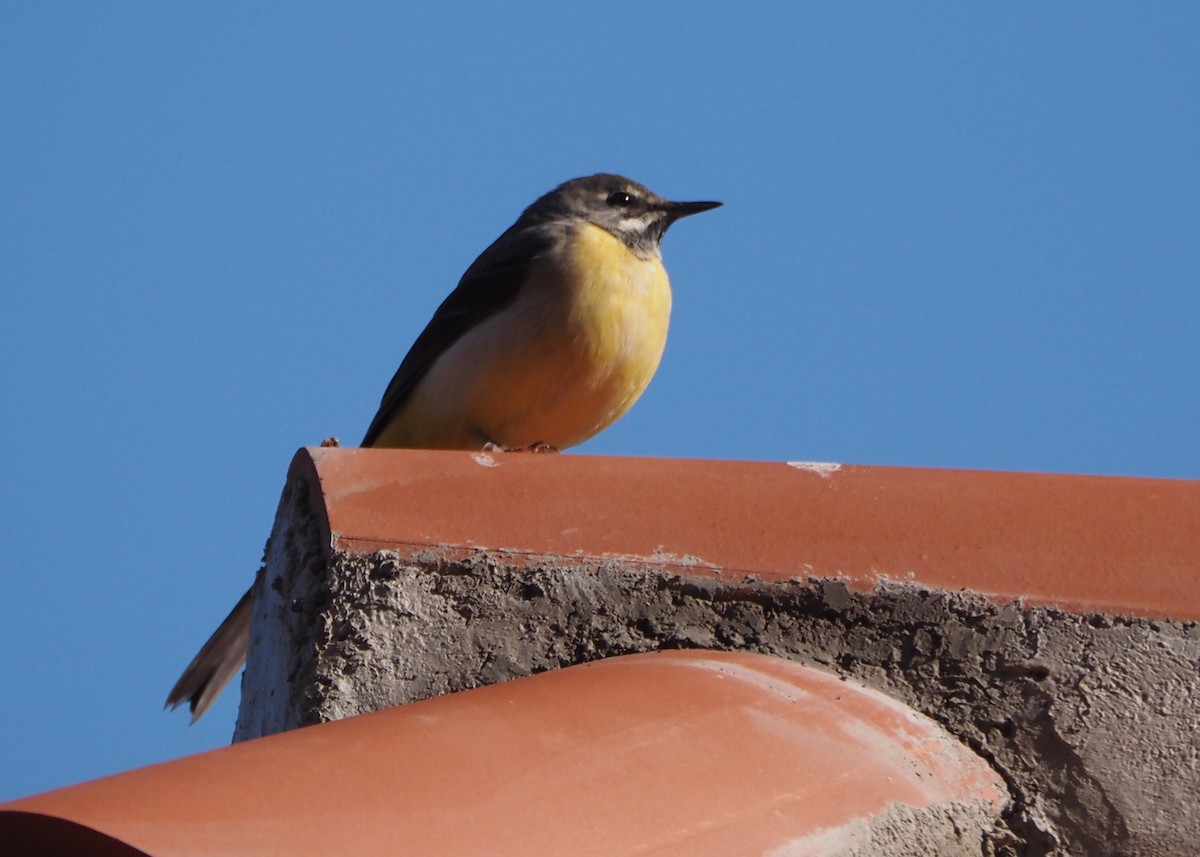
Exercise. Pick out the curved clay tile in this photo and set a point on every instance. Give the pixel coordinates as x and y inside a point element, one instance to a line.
<point>685,752</point>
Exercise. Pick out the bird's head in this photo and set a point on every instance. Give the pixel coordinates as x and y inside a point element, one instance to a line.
<point>630,211</point>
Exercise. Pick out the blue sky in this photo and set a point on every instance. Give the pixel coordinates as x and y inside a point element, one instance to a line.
<point>955,235</point>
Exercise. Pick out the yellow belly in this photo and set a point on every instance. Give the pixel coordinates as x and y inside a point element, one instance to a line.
<point>571,354</point>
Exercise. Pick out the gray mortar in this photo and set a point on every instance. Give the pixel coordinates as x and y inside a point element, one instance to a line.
<point>1091,720</point>
<point>902,831</point>
<point>280,658</point>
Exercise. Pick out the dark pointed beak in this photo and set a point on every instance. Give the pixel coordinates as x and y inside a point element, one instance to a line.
<point>676,210</point>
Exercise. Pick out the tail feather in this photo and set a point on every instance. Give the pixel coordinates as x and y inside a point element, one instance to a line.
<point>217,662</point>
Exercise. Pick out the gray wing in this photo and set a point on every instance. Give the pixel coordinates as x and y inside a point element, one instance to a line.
<point>489,285</point>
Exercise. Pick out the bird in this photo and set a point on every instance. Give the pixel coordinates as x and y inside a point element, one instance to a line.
<point>550,336</point>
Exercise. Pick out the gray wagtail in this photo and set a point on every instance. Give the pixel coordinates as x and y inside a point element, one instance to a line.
<point>550,336</point>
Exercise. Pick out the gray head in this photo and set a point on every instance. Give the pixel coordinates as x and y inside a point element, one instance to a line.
<point>628,210</point>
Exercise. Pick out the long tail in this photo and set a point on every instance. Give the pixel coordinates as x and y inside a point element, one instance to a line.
<point>215,664</point>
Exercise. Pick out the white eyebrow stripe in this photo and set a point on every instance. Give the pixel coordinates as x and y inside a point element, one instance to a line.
<point>635,223</point>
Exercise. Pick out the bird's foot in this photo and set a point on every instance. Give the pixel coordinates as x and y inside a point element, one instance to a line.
<point>533,447</point>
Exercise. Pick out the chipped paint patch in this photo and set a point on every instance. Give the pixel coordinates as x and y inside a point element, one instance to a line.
<point>682,560</point>
<point>836,840</point>
<point>824,469</point>
<point>484,459</point>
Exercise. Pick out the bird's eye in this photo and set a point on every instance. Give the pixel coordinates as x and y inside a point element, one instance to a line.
<point>619,199</point>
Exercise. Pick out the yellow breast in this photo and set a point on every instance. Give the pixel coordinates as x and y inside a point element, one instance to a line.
<point>619,311</point>
<point>565,360</point>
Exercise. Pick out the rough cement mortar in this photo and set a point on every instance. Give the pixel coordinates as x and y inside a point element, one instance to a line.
<point>902,831</point>
<point>286,606</point>
<point>1090,719</point>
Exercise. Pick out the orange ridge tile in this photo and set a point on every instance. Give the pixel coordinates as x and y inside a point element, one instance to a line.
<point>1127,546</point>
